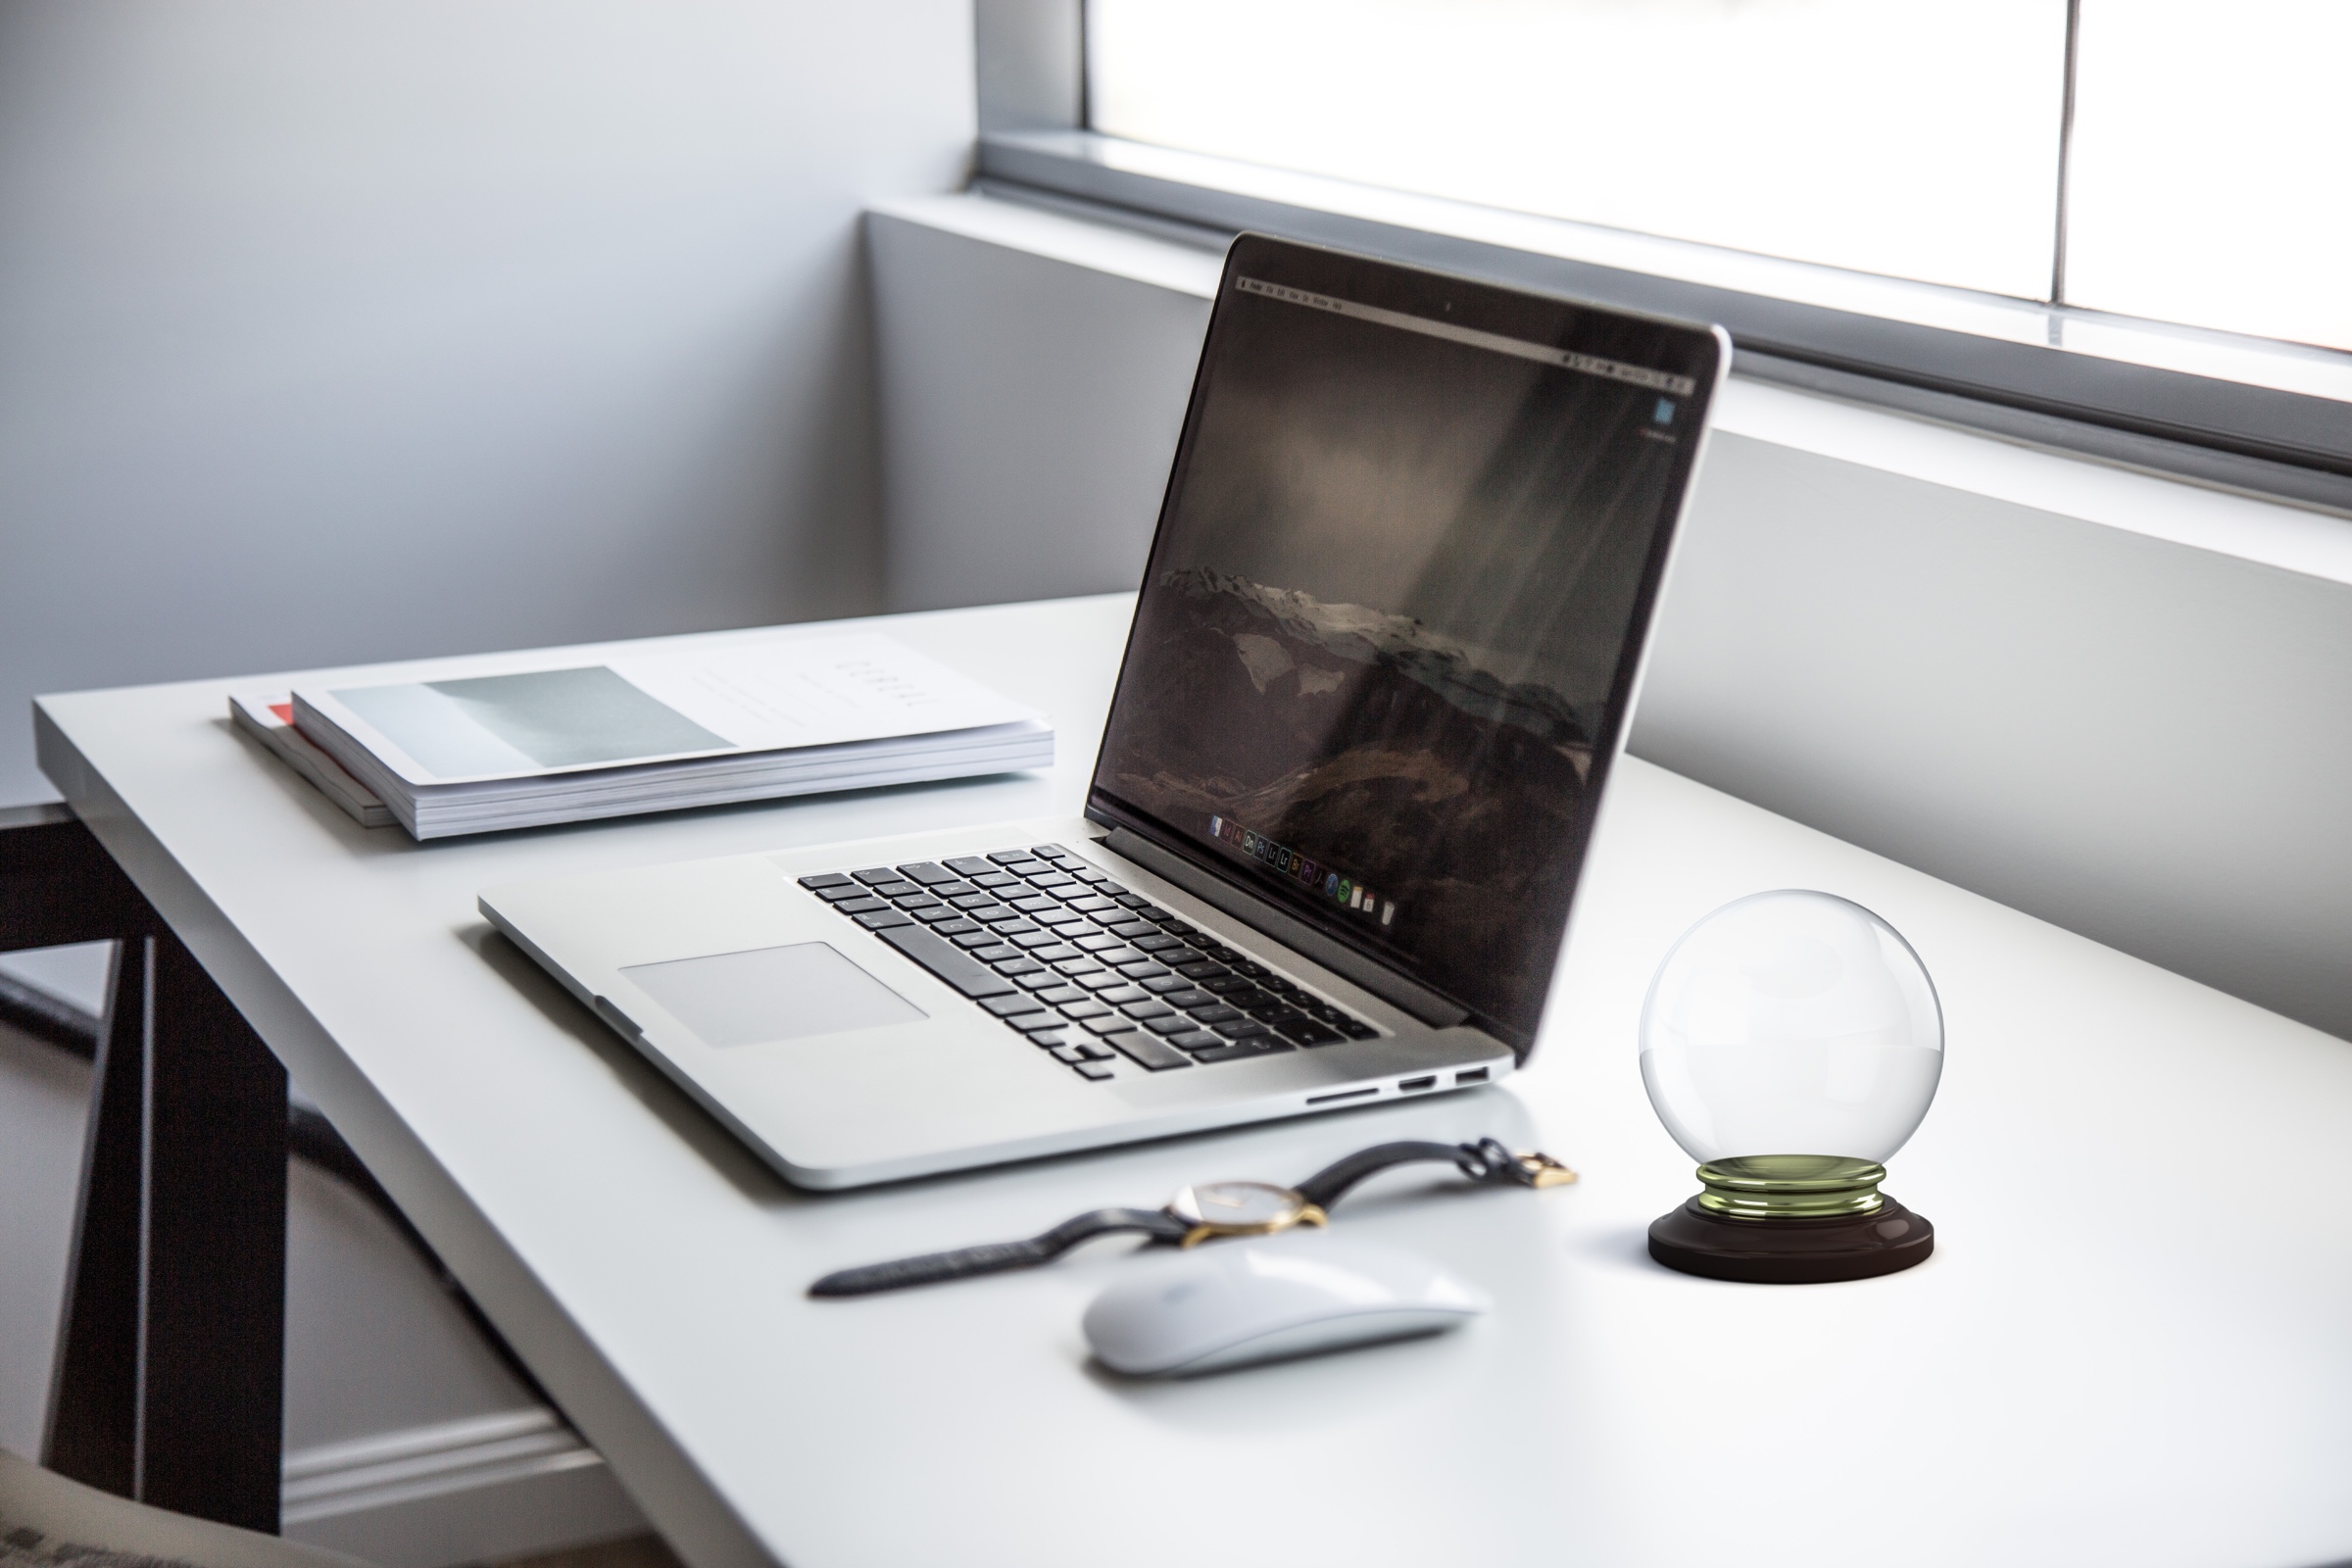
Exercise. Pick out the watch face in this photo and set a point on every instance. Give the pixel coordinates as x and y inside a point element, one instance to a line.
<point>1239,1205</point>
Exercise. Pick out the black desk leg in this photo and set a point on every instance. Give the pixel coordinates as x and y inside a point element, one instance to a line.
<point>171,1367</point>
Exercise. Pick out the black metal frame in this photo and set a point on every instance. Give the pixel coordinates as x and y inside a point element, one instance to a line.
<point>169,1381</point>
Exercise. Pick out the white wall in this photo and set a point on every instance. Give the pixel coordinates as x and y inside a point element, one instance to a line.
<point>2110,699</point>
<point>343,331</point>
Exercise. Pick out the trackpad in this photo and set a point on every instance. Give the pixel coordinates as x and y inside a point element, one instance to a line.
<point>744,998</point>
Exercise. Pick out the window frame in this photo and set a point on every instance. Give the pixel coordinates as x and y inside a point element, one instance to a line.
<point>1978,360</point>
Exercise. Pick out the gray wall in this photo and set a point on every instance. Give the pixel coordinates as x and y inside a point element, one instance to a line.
<point>2136,739</point>
<point>1008,418</point>
<point>346,332</point>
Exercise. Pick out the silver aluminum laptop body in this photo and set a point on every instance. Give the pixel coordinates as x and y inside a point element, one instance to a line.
<point>1333,835</point>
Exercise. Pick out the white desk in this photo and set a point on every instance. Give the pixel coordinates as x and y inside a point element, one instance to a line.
<point>2133,1344</point>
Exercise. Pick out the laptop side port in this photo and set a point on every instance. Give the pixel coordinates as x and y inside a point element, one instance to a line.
<point>1471,1076</point>
<point>1408,1086</point>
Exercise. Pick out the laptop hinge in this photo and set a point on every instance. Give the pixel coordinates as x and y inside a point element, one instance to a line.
<point>1292,932</point>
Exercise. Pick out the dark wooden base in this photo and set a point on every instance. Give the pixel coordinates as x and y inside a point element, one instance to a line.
<point>1790,1251</point>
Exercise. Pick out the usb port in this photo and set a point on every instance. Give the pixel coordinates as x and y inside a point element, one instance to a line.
<point>1474,1075</point>
<point>1412,1085</point>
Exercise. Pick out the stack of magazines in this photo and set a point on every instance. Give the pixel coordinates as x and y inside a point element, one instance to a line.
<point>655,732</point>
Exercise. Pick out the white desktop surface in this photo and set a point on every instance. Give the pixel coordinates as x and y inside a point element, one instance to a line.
<point>2133,1343</point>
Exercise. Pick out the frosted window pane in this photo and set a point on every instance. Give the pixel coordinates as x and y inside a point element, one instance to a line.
<point>2213,165</point>
<point>1917,139</point>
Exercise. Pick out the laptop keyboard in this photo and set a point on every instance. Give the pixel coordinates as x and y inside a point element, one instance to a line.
<point>1087,970</point>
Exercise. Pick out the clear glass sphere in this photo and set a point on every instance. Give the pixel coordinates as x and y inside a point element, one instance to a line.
<point>1792,1024</point>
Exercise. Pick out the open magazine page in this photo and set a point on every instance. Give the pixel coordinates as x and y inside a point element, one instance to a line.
<point>819,691</point>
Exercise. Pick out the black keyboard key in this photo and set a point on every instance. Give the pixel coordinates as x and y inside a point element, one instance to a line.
<point>861,906</point>
<point>1094,942</point>
<point>1050,852</point>
<point>971,941</point>
<point>1054,954</point>
<point>1219,952</point>
<point>1110,1025</point>
<point>1213,1016</point>
<point>1099,980</point>
<point>1028,904</point>
<point>940,914</point>
<point>1244,998</point>
<point>898,889</point>
<point>1223,983</point>
<point>1069,1052</point>
<point>846,891</point>
<point>1165,985</point>
<point>1242,1029</point>
<point>1040,978</point>
<point>970,866</point>
<point>1242,1050</point>
<point>1093,1071</point>
<point>1130,929</point>
<point>1356,1029</point>
<point>996,954</point>
<point>1016,969</point>
<point>1188,998</point>
<point>1048,1038</point>
<point>1145,1010</point>
<point>1175,1023</point>
<point>1323,1011</point>
<point>1199,970</point>
<point>1255,972</point>
<point>928,873</point>
<point>885,918</point>
<point>1278,1015</point>
<point>1197,1041</point>
<point>1057,887</point>
<point>995,882</point>
<point>948,962</point>
<point>965,898</point>
<point>1310,1034</point>
<point>1007,857</point>
<point>1149,1052</point>
<point>1161,944</point>
<point>1131,900</point>
<point>1064,921</point>
<point>1055,996</point>
<point>1080,1012</point>
<point>878,873</point>
<point>1121,994</point>
<point>1281,987</point>
<point>1007,922</point>
<point>825,879</point>
<point>1176,927</point>
<point>1031,940</point>
<point>1094,906</point>
<point>1144,970</point>
<point>1030,1023</point>
<point>1008,1006</point>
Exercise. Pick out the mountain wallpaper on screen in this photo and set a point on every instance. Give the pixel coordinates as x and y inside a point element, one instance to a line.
<point>1390,753</point>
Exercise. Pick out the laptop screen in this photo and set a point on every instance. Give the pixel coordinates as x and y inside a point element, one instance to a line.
<point>1392,617</point>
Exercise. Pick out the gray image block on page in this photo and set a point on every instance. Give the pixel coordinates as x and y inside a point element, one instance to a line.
<point>566,717</point>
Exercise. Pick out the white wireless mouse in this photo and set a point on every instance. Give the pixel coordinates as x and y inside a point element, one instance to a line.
<point>1290,1294</point>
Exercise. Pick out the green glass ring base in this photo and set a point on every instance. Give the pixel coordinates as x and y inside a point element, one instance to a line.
<point>1792,1252</point>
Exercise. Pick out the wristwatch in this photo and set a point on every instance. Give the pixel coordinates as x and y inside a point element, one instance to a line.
<point>1201,1213</point>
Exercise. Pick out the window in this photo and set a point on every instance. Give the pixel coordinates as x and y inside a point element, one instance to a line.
<point>1917,139</point>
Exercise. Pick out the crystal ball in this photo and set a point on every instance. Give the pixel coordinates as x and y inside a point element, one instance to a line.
<point>1791,1022</point>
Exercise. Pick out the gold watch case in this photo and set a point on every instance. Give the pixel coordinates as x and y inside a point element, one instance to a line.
<point>1240,1209</point>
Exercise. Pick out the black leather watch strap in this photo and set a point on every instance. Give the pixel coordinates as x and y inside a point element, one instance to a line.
<point>995,1258</point>
<point>1483,1161</point>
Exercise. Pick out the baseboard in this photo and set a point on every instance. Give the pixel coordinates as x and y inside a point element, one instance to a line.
<point>465,1491</point>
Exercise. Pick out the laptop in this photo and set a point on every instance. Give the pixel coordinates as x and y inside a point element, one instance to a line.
<point>1382,660</point>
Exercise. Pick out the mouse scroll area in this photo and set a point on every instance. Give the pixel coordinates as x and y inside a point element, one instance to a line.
<point>1266,1300</point>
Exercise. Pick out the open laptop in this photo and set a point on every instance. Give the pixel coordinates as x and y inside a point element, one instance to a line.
<point>1382,657</point>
